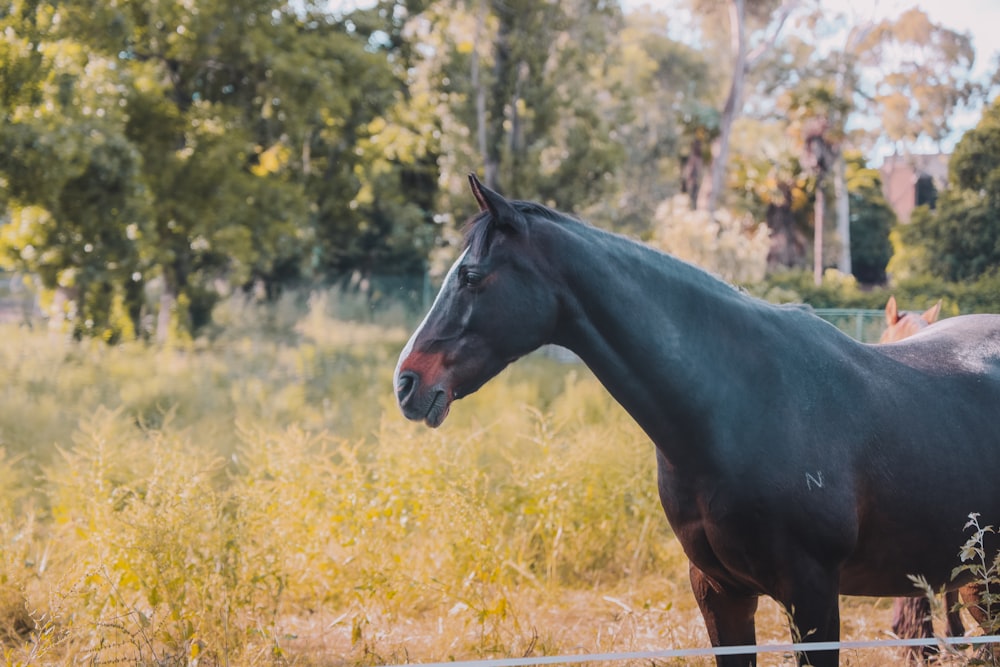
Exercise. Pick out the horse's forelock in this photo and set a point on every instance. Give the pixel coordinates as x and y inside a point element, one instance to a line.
<point>476,233</point>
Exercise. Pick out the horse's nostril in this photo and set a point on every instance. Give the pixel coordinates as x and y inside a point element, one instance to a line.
<point>405,385</point>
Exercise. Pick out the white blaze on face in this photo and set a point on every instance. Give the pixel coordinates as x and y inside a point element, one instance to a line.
<point>409,344</point>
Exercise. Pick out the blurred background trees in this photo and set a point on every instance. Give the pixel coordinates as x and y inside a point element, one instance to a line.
<point>960,237</point>
<point>157,157</point>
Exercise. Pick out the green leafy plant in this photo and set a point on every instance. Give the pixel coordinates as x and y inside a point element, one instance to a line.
<point>985,571</point>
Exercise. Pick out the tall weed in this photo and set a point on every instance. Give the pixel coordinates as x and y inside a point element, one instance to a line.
<point>983,563</point>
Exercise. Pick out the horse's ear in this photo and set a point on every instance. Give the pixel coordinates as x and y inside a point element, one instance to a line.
<point>891,313</point>
<point>477,192</point>
<point>504,215</point>
<point>931,314</point>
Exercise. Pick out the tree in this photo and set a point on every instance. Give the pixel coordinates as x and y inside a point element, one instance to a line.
<point>775,188</point>
<point>961,237</point>
<point>918,72</point>
<point>657,106</point>
<point>732,246</point>
<point>743,59</point>
<point>666,110</point>
<point>371,130</point>
<point>526,93</point>
<point>72,178</point>
<point>264,143</point>
<point>909,72</point>
<point>199,102</point>
<point>547,137</point>
<point>817,122</point>
<point>876,66</point>
<point>872,220</point>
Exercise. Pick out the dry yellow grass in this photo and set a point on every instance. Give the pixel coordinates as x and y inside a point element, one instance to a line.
<point>259,502</point>
<point>580,622</point>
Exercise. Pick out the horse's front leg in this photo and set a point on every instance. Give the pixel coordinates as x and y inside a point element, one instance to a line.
<point>729,617</point>
<point>813,605</point>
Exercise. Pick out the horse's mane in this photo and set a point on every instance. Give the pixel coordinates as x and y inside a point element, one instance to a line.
<point>477,236</point>
<point>477,228</point>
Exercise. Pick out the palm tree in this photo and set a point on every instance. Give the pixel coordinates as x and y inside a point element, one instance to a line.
<point>818,156</point>
<point>818,115</point>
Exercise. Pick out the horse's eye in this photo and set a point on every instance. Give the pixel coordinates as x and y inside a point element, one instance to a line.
<point>471,279</point>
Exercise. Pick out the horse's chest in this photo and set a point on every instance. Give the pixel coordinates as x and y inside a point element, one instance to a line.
<point>718,546</point>
<point>698,513</point>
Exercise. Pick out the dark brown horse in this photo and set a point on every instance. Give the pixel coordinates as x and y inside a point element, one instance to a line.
<point>911,616</point>
<point>793,461</point>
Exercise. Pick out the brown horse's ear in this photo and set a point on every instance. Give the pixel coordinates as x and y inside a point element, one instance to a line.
<point>891,313</point>
<point>931,314</point>
<point>504,215</point>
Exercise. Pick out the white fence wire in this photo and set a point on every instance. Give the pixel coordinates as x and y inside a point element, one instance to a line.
<point>802,647</point>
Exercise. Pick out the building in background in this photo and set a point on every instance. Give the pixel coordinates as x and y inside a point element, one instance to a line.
<point>909,181</point>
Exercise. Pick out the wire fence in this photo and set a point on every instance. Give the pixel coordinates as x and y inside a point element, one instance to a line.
<point>946,643</point>
<point>861,324</point>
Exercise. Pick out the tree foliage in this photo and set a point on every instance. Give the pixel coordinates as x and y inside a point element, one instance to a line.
<point>871,220</point>
<point>960,238</point>
<point>549,127</point>
<point>192,145</point>
<point>155,157</point>
<point>71,176</point>
<point>731,246</point>
<point>920,74</point>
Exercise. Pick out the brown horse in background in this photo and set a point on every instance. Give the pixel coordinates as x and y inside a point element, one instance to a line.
<point>903,325</point>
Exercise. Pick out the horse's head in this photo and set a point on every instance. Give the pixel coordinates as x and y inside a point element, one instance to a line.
<point>903,325</point>
<point>495,306</point>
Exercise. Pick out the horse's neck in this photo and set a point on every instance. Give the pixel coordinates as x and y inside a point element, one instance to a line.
<point>659,335</point>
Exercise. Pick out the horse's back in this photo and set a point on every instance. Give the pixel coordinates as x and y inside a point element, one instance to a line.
<point>945,380</point>
<point>965,344</point>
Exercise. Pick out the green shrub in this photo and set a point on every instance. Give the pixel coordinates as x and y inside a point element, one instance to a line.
<point>913,293</point>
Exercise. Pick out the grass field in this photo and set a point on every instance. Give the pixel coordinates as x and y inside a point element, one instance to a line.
<point>257,499</point>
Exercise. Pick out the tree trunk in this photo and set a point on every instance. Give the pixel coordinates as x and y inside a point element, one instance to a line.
<point>516,138</point>
<point>843,208</point>
<point>691,173</point>
<point>819,214</point>
<point>477,85</point>
<point>64,299</point>
<point>499,96</point>
<point>307,153</point>
<point>742,61</point>
<point>168,304</point>
<point>846,84</point>
<point>788,243</point>
<point>734,103</point>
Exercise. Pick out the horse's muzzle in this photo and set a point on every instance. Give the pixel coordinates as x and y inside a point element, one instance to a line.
<point>430,405</point>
